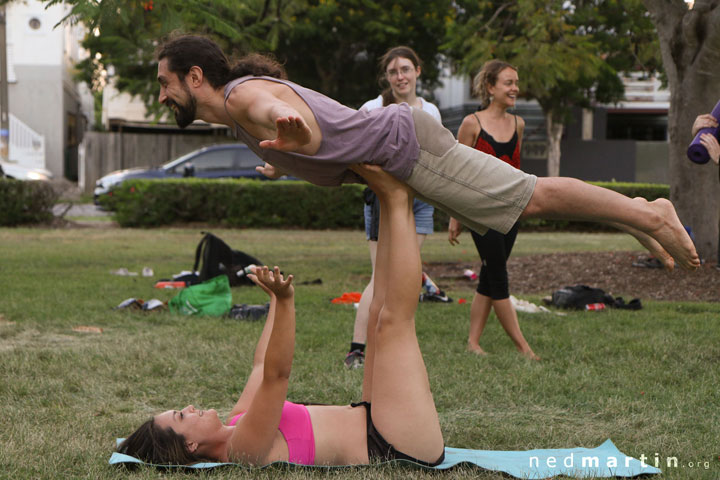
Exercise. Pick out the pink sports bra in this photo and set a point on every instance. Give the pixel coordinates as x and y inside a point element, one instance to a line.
<point>296,428</point>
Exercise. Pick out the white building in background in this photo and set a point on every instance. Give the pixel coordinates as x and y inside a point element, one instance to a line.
<point>49,110</point>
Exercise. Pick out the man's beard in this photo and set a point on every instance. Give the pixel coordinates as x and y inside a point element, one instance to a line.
<point>185,114</point>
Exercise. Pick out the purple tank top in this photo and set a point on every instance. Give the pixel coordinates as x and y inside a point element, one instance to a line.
<point>383,136</point>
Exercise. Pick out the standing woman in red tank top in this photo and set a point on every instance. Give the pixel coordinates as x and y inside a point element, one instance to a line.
<point>494,131</point>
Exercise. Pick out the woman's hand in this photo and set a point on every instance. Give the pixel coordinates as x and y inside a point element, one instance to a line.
<point>274,282</point>
<point>703,121</point>
<point>257,282</point>
<point>454,230</point>
<point>292,133</point>
<point>709,141</point>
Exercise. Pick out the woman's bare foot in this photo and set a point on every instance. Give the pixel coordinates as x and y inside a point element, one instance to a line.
<point>381,182</point>
<point>529,354</point>
<point>671,234</point>
<point>476,350</point>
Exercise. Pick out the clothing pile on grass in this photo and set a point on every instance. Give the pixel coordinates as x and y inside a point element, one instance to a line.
<point>205,290</point>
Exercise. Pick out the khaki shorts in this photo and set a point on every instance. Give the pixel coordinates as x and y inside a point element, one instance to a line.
<point>477,189</point>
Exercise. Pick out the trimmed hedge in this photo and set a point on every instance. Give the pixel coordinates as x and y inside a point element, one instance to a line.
<point>282,204</point>
<point>237,203</point>
<point>23,202</point>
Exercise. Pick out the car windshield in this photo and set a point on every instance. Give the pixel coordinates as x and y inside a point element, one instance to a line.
<point>175,163</point>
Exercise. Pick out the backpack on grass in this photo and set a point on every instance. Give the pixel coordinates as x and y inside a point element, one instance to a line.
<point>578,296</point>
<point>218,258</point>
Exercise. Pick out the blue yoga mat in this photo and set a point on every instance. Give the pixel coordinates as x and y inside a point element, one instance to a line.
<point>603,461</point>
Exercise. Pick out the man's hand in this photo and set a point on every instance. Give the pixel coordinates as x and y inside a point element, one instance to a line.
<point>709,141</point>
<point>454,230</point>
<point>270,171</point>
<point>292,133</point>
<point>703,121</point>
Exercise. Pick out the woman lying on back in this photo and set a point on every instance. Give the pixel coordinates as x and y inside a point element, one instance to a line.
<point>396,420</point>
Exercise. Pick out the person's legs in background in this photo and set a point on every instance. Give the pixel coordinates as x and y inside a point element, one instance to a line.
<point>493,292</point>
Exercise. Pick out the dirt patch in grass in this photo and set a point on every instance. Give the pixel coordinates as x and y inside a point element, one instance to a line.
<point>611,271</point>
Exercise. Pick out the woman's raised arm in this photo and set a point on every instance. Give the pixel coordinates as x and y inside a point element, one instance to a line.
<point>255,431</point>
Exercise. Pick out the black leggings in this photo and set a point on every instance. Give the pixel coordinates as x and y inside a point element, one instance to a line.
<point>494,249</point>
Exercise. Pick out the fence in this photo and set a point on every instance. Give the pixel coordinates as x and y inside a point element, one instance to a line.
<point>105,152</point>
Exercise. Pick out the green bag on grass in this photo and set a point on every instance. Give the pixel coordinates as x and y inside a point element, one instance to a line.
<point>211,297</point>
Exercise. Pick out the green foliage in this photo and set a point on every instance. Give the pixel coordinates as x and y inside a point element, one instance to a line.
<point>237,203</point>
<point>648,191</point>
<point>124,34</point>
<point>25,202</point>
<point>568,53</point>
<point>327,45</point>
<point>334,46</point>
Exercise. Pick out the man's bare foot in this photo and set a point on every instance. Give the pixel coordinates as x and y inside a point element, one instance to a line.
<point>650,244</point>
<point>671,234</point>
<point>476,350</point>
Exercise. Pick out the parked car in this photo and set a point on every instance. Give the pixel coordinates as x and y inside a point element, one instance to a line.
<point>19,172</point>
<point>216,161</point>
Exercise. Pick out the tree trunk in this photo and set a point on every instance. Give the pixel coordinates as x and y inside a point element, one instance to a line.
<point>690,46</point>
<point>554,134</point>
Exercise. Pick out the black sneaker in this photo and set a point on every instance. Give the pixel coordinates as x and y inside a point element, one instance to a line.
<point>649,262</point>
<point>355,359</point>
<point>439,296</point>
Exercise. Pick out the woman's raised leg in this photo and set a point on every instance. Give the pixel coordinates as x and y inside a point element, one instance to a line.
<point>402,405</point>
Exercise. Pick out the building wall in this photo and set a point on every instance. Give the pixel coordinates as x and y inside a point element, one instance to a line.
<point>43,91</point>
<point>37,100</point>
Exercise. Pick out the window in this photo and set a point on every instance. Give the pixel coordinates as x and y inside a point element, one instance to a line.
<point>213,161</point>
<point>246,158</point>
<point>636,126</point>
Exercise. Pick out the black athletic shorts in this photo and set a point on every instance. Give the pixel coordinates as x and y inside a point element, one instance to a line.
<point>380,450</point>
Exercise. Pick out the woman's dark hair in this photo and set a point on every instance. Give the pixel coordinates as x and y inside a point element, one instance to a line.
<point>186,51</point>
<point>160,446</point>
<point>488,75</point>
<point>390,55</point>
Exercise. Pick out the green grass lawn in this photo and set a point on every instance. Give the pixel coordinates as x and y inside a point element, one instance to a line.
<point>647,380</point>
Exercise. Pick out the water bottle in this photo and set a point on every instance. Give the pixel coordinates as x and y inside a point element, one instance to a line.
<point>246,270</point>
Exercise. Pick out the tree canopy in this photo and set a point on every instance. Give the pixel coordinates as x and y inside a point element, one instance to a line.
<point>329,45</point>
<point>568,54</point>
<point>334,46</point>
<point>124,34</point>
